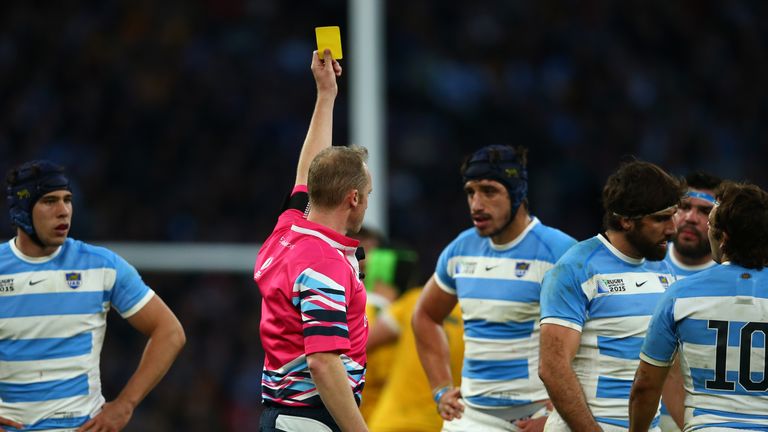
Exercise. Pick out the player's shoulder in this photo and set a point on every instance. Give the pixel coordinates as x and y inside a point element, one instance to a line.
<point>77,249</point>
<point>553,234</point>
<point>554,239</point>
<point>581,252</point>
<point>468,236</point>
<point>660,266</point>
<point>467,241</point>
<point>5,248</point>
<point>581,261</point>
<point>708,277</point>
<point>7,258</point>
<point>575,262</point>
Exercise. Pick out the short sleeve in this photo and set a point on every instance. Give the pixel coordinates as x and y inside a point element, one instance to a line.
<point>562,300</point>
<point>443,272</point>
<point>322,299</point>
<point>129,293</point>
<point>661,340</point>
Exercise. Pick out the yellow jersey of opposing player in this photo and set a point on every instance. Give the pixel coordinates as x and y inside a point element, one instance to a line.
<point>378,364</point>
<point>405,402</point>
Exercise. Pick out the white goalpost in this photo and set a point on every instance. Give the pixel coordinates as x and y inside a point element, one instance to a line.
<point>187,257</point>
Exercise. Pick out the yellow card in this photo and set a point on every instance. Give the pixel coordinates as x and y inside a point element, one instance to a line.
<point>329,38</point>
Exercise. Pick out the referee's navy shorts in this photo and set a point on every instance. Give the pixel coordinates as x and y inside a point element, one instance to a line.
<point>277,418</point>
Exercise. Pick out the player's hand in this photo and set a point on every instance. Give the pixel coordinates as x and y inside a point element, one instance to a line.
<point>325,70</point>
<point>450,407</point>
<point>7,422</point>
<point>531,425</point>
<point>112,418</point>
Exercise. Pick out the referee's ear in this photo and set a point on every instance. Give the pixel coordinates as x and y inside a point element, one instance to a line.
<point>352,198</point>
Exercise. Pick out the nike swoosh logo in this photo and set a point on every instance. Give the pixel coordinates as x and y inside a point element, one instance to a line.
<point>35,282</point>
<point>489,268</point>
<point>640,284</point>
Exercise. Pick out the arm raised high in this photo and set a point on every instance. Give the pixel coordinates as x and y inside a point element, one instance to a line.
<point>320,133</point>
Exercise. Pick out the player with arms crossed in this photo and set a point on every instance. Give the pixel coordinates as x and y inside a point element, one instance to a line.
<point>313,326</point>
<point>716,322</point>
<point>55,293</point>
<point>494,272</point>
<point>597,301</point>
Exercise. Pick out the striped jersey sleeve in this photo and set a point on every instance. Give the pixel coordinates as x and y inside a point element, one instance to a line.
<point>661,342</point>
<point>563,302</point>
<point>323,304</point>
<point>443,272</point>
<point>129,293</point>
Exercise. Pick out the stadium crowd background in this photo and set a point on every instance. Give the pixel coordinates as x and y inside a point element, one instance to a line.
<point>182,121</point>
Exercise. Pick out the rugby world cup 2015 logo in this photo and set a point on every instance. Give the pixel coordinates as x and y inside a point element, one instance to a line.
<point>74,280</point>
<point>521,268</point>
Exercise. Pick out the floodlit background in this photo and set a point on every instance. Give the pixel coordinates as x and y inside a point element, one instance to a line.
<point>181,121</point>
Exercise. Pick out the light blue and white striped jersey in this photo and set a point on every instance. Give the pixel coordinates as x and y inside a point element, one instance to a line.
<point>609,297</point>
<point>498,288</point>
<point>718,320</point>
<point>52,322</point>
<point>680,270</point>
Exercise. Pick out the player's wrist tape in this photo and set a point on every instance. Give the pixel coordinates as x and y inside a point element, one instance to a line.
<point>437,394</point>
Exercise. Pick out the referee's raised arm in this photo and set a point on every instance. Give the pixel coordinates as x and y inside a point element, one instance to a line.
<point>320,133</point>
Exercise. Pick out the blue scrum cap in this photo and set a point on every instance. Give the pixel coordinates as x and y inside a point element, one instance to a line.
<point>500,163</point>
<point>26,184</point>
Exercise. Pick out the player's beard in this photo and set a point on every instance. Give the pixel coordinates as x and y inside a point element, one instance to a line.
<point>647,248</point>
<point>497,231</point>
<point>693,251</point>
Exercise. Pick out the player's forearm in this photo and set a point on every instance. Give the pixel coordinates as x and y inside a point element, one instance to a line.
<point>161,350</point>
<point>330,377</point>
<point>643,405</point>
<point>673,394</point>
<point>644,396</point>
<point>432,347</point>
<point>566,393</point>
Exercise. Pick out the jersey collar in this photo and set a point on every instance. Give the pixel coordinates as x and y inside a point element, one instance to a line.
<point>32,260</point>
<point>339,241</point>
<point>620,255</point>
<point>516,241</point>
<point>686,267</point>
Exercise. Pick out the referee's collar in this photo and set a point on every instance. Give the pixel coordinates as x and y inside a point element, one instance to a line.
<point>337,240</point>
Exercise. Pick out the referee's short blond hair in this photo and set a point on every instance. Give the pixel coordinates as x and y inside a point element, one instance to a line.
<point>334,172</point>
